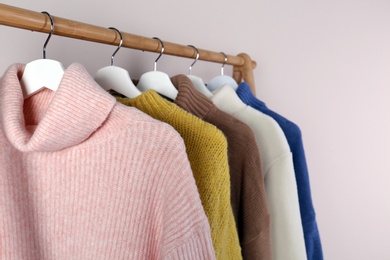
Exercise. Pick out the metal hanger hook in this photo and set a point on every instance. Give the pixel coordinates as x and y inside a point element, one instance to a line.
<point>119,46</point>
<point>162,52</point>
<point>196,59</point>
<point>223,65</point>
<point>50,33</point>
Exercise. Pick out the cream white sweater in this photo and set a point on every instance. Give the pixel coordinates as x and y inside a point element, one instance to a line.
<point>279,177</point>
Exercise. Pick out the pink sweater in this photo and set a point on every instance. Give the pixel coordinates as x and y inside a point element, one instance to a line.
<point>83,177</point>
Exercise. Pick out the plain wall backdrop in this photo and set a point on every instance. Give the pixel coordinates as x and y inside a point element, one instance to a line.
<point>323,64</point>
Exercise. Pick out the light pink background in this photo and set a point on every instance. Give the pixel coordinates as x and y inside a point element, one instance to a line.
<point>323,64</point>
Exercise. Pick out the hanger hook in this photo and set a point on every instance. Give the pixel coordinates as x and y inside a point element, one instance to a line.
<point>223,65</point>
<point>50,33</point>
<point>119,46</point>
<point>159,56</point>
<point>196,59</point>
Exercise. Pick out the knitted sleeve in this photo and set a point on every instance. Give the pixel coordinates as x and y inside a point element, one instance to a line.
<point>186,229</point>
<point>208,157</point>
<point>254,217</point>
<point>286,228</point>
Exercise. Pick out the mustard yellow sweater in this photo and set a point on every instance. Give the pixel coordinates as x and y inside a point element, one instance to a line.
<point>207,152</point>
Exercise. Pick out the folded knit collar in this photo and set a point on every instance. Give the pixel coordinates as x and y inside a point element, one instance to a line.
<point>191,99</point>
<point>226,99</point>
<point>246,95</point>
<point>76,110</point>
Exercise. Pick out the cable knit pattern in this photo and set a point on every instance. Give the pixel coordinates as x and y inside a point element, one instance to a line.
<point>84,177</point>
<point>279,178</point>
<point>207,152</point>
<point>247,185</point>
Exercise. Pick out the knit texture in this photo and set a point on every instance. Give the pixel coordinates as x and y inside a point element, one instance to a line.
<point>279,178</point>
<point>247,185</point>
<point>207,153</point>
<point>294,139</point>
<point>83,177</point>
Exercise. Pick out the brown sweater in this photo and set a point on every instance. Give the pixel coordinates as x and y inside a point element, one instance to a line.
<point>247,185</point>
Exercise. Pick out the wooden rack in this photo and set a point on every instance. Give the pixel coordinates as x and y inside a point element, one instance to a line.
<point>35,21</point>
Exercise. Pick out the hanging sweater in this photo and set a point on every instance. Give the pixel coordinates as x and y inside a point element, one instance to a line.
<point>207,153</point>
<point>279,178</point>
<point>83,177</point>
<point>247,184</point>
<point>294,139</point>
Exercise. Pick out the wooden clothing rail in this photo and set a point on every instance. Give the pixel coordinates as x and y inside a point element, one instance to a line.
<point>35,21</point>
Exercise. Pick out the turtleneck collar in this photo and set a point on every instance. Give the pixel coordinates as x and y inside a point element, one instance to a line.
<point>191,99</point>
<point>226,99</point>
<point>52,121</point>
<point>245,93</point>
<point>152,103</point>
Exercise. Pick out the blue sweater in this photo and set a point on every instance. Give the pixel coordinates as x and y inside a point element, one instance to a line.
<point>294,139</point>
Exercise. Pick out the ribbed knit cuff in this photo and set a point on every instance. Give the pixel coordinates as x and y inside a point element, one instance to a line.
<point>196,247</point>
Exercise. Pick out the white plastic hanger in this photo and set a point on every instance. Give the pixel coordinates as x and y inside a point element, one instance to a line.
<point>197,82</point>
<point>222,79</point>
<point>117,78</point>
<point>157,80</point>
<point>42,73</point>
